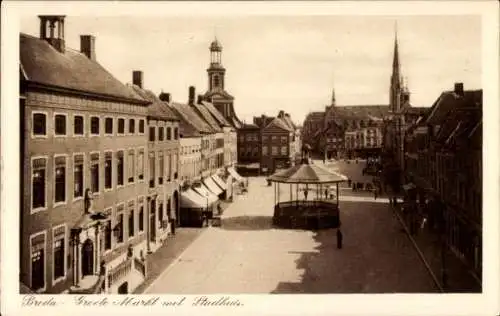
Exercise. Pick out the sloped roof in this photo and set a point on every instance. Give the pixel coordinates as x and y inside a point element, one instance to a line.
<point>204,113</point>
<point>416,110</point>
<point>279,123</point>
<point>360,111</point>
<point>289,122</point>
<point>42,63</point>
<point>306,173</point>
<point>249,126</point>
<point>449,100</point>
<point>190,123</point>
<point>216,114</point>
<point>157,108</point>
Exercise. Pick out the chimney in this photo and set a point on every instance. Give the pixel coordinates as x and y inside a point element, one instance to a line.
<point>200,98</point>
<point>459,88</point>
<point>287,115</point>
<point>137,78</point>
<point>87,46</point>
<point>54,25</point>
<point>281,114</point>
<point>165,97</point>
<point>192,93</point>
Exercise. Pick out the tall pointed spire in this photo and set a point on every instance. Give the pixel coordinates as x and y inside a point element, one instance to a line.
<point>395,59</point>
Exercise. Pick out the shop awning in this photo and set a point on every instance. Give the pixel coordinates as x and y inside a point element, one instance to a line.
<point>219,182</point>
<point>235,175</point>
<point>212,186</point>
<point>205,194</point>
<point>191,199</point>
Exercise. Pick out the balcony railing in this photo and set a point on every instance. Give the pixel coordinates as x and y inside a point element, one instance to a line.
<point>119,272</point>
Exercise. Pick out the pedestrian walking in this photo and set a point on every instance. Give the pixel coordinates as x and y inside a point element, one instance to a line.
<point>326,193</point>
<point>339,239</point>
<point>375,194</point>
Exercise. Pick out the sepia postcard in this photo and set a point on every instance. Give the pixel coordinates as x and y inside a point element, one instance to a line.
<point>250,158</point>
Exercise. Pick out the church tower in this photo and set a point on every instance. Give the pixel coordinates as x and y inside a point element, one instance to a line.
<point>396,84</point>
<point>216,94</point>
<point>216,71</point>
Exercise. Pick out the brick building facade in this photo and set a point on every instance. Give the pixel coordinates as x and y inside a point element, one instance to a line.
<point>80,190</point>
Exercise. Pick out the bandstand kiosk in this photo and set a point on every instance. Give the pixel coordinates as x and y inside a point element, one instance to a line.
<point>314,196</point>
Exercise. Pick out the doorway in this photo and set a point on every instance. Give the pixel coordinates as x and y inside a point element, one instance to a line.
<point>87,258</point>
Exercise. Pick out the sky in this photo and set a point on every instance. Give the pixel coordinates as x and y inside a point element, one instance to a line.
<point>288,63</point>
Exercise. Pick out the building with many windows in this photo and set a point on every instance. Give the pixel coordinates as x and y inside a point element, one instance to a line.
<point>162,166</point>
<point>83,203</point>
<point>443,175</point>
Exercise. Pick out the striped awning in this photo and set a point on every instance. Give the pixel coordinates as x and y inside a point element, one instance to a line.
<point>235,175</point>
<point>205,194</point>
<point>212,186</point>
<point>219,182</point>
<point>191,199</point>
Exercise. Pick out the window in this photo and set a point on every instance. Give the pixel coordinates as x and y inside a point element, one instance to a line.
<point>160,133</point>
<point>161,168</point>
<point>119,167</point>
<point>141,126</point>
<point>58,252</point>
<point>264,151</point>
<point>107,235</point>
<point>175,160</point>
<point>274,138</point>
<point>160,214</point>
<point>38,183</point>
<point>274,150</point>
<point>60,180</point>
<point>283,139</point>
<point>151,133</point>
<point>121,126</point>
<point>94,172</point>
<point>141,216</point>
<point>151,170</point>
<point>140,165</point>
<point>131,126</point>
<point>78,176</point>
<point>264,138</point>
<point>131,219</point>
<point>108,125</point>
<point>94,125</point>
<point>169,167</point>
<point>131,166</point>
<point>60,124</point>
<point>169,133</point>
<point>249,137</point>
<point>283,150</point>
<point>39,124</point>
<point>119,225</point>
<point>108,170</point>
<point>78,125</point>
<point>176,133</point>
<point>242,138</point>
<point>38,262</point>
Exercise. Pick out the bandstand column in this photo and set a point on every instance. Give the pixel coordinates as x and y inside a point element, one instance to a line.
<point>337,193</point>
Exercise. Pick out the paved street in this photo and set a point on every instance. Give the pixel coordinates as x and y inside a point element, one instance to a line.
<point>247,255</point>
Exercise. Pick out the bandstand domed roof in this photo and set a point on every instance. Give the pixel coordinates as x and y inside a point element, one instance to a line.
<point>307,174</point>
